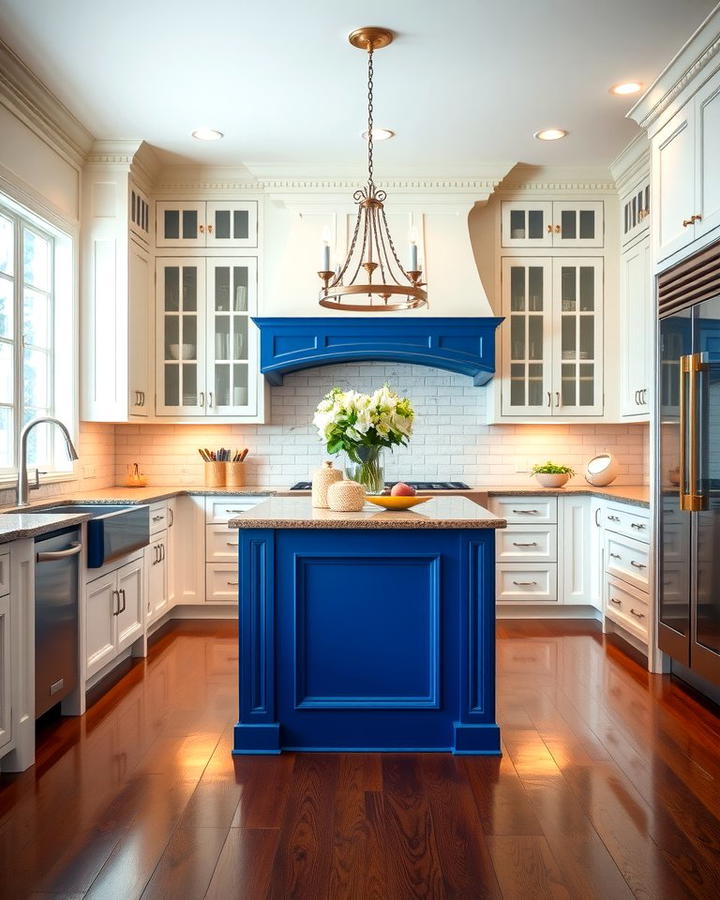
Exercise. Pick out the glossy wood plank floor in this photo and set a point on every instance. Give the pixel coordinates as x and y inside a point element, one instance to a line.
<point>609,787</point>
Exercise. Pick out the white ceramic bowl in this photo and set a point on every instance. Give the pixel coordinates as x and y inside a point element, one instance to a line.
<point>548,480</point>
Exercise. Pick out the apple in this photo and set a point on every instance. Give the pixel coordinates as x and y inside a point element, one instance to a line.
<point>402,490</point>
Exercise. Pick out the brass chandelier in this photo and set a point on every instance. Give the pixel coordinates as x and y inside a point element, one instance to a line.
<point>372,278</point>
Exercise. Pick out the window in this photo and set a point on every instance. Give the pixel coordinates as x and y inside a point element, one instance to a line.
<point>35,317</point>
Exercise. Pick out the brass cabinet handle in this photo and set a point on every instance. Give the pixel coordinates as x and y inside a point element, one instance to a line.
<point>689,221</point>
<point>697,218</point>
<point>549,228</point>
<point>637,615</point>
<point>201,229</point>
<point>210,228</point>
<point>616,602</point>
<point>557,229</point>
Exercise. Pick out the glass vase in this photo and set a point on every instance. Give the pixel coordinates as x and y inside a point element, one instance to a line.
<point>369,471</point>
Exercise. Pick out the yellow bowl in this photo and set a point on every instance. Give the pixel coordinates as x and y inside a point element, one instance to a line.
<point>397,502</point>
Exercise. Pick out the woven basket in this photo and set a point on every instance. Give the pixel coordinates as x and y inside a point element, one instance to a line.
<point>346,496</point>
<point>322,478</point>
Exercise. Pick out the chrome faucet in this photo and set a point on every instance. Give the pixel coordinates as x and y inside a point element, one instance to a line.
<point>22,485</point>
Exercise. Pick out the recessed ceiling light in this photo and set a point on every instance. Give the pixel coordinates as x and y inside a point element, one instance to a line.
<point>550,134</point>
<point>380,134</point>
<point>626,87</point>
<point>207,134</point>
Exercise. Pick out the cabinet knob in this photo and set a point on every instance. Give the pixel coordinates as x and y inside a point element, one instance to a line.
<point>549,228</point>
<point>557,398</point>
<point>697,218</point>
<point>210,228</point>
<point>689,221</point>
<point>557,229</point>
<point>201,229</point>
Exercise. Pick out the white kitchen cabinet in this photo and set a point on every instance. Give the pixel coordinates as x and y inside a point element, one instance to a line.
<point>558,224</point>
<point>206,224</point>
<point>221,546</point>
<point>207,347</point>
<point>115,287</point>
<point>597,560</point>
<point>114,615</point>
<point>577,550</point>
<point>636,330</point>
<point>6,672</point>
<point>627,585</point>
<point>171,556</point>
<point>156,578</point>
<point>686,180</point>
<point>635,211</point>
<point>552,339</point>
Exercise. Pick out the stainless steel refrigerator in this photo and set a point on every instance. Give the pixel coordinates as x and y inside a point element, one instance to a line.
<point>689,460</point>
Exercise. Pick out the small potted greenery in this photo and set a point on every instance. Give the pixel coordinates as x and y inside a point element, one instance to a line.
<point>551,475</point>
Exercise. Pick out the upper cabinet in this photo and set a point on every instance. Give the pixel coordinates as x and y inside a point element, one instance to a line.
<point>636,320</point>
<point>206,224</point>
<point>685,173</point>
<point>552,337</point>
<point>635,211</point>
<point>554,224</point>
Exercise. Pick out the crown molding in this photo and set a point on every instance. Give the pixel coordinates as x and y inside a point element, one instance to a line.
<point>32,102</point>
<point>695,56</point>
<point>135,156</point>
<point>530,179</point>
<point>632,164</point>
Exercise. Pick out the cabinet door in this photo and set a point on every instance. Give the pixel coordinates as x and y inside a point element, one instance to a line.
<point>526,224</point>
<point>180,224</point>
<point>597,561</point>
<point>578,224</point>
<point>707,154</point>
<point>6,672</point>
<point>140,397</point>
<point>101,606</point>
<point>232,224</point>
<point>674,185</point>
<point>232,338</point>
<point>156,578</point>
<point>635,211</point>
<point>636,324</point>
<point>181,337</point>
<point>131,617</point>
<point>577,333</point>
<point>527,362</point>
<point>171,552</point>
<point>575,558</point>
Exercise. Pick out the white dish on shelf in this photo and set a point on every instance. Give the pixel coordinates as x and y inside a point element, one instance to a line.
<point>188,351</point>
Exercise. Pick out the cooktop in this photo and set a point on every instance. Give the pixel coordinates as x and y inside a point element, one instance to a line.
<point>418,485</point>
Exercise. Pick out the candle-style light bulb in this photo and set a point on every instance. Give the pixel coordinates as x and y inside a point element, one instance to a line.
<point>413,237</point>
<point>326,249</point>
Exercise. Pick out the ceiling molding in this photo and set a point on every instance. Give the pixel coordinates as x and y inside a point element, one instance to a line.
<point>136,156</point>
<point>30,100</point>
<point>552,187</point>
<point>695,56</point>
<point>632,164</point>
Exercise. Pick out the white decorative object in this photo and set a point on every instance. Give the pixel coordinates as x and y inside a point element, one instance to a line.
<point>601,470</point>
<point>552,480</point>
<point>322,478</point>
<point>346,496</point>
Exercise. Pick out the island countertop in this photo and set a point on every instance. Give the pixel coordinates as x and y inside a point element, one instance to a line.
<point>298,512</point>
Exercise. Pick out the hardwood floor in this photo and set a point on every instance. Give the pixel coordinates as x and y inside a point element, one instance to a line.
<point>609,787</point>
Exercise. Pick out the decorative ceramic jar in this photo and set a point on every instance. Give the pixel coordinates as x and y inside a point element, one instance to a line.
<point>369,471</point>
<point>346,496</point>
<point>322,478</point>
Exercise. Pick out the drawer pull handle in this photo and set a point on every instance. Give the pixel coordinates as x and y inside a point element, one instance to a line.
<point>637,614</point>
<point>233,583</point>
<point>158,518</point>
<point>231,543</point>
<point>616,556</point>
<point>237,510</point>
<point>637,525</point>
<point>637,564</point>
<point>525,544</point>
<point>616,602</point>
<point>613,518</point>
<point>526,512</point>
<point>524,583</point>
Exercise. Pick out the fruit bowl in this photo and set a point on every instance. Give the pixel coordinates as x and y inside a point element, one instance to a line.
<point>396,502</point>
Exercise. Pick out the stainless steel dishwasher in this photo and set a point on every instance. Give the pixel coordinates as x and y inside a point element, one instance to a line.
<point>57,558</point>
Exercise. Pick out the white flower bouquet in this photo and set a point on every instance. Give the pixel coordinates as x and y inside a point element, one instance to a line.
<point>361,425</point>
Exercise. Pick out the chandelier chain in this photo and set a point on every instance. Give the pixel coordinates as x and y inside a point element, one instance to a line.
<point>370,114</point>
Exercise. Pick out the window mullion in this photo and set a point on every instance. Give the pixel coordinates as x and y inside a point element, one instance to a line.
<point>19,337</point>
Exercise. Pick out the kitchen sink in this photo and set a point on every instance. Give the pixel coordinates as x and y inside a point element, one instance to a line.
<point>112,531</point>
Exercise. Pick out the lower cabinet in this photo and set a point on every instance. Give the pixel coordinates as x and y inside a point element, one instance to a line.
<point>114,614</point>
<point>6,672</point>
<point>156,577</point>
<point>627,598</point>
<point>221,547</point>
<point>543,557</point>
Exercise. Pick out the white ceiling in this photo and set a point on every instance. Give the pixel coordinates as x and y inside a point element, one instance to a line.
<point>465,83</point>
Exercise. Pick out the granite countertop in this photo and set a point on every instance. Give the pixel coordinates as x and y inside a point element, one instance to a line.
<point>17,526</point>
<point>297,512</point>
<point>635,494</point>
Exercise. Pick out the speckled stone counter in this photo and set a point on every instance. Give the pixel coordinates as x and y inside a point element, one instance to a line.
<point>297,512</point>
<point>634,494</point>
<point>17,526</point>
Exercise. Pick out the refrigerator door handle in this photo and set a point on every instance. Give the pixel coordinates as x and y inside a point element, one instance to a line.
<point>691,500</point>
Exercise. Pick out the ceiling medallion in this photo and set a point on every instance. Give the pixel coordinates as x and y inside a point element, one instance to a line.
<point>372,252</point>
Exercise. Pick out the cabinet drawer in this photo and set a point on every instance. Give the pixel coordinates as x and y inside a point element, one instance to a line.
<point>221,583</point>
<point>4,574</point>
<point>218,510</point>
<point>627,606</point>
<point>631,522</point>
<point>526,584</point>
<point>525,510</point>
<point>627,559</point>
<point>158,517</point>
<point>221,544</point>
<point>527,543</point>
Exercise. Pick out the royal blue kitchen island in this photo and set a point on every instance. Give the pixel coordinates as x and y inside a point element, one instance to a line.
<point>367,631</point>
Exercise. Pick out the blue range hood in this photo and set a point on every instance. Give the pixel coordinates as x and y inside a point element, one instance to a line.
<point>464,345</point>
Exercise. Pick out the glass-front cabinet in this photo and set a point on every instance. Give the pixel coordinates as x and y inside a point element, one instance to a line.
<point>207,348</point>
<point>558,224</point>
<point>206,224</point>
<point>552,337</point>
